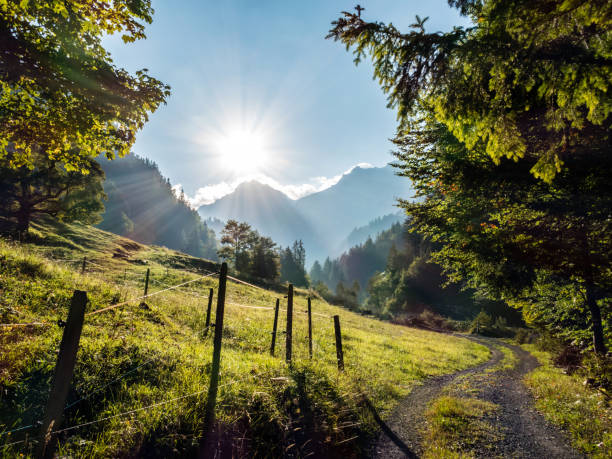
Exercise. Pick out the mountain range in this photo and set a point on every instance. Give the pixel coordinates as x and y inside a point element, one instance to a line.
<point>322,220</point>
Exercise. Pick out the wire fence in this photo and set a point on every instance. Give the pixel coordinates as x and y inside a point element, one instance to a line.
<point>164,287</point>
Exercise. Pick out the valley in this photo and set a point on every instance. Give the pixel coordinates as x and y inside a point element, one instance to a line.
<point>327,221</point>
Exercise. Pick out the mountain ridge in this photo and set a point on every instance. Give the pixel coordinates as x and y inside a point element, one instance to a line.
<point>322,220</point>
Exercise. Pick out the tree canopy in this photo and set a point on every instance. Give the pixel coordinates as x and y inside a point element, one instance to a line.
<point>513,236</point>
<point>61,95</point>
<point>50,190</point>
<point>251,255</point>
<point>293,264</point>
<point>504,128</point>
<point>529,79</point>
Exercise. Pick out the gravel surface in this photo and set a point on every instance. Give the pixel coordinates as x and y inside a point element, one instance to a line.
<point>525,433</point>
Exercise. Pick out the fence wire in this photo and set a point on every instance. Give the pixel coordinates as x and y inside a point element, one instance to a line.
<point>113,306</point>
<point>124,375</point>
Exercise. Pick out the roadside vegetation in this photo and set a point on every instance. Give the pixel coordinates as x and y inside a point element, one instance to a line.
<point>138,355</point>
<point>455,425</point>
<point>458,421</point>
<point>569,402</point>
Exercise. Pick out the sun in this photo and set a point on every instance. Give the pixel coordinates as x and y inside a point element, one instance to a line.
<point>242,151</point>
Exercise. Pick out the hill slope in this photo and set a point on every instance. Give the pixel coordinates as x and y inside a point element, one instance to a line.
<point>359,197</point>
<point>142,372</point>
<point>141,205</point>
<point>322,220</point>
<point>371,230</point>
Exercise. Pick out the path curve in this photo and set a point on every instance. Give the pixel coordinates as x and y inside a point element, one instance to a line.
<point>526,433</point>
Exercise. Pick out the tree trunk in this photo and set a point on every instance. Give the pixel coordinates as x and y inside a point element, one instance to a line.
<point>24,213</point>
<point>598,338</point>
<point>599,344</point>
<point>23,220</point>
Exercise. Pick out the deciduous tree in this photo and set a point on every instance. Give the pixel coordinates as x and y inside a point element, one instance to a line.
<point>49,189</point>
<point>60,94</point>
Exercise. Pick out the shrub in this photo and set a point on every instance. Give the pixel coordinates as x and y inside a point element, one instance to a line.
<point>426,319</point>
<point>522,336</point>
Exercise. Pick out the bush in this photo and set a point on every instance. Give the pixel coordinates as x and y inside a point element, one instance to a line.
<point>483,324</point>
<point>522,336</point>
<point>599,372</point>
<point>426,319</point>
<point>569,358</point>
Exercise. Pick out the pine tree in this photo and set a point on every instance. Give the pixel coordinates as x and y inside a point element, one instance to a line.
<point>236,240</point>
<point>316,273</point>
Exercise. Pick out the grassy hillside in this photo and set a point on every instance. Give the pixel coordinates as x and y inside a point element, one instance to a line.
<point>134,356</point>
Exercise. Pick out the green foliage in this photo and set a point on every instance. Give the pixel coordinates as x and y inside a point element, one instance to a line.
<point>485,113</point>
<point>484,324</point>
<point>411,282</point>
<point>542,247</point>
<point>292,262</point>
<point>141,205</point>
<point>347,296</point>
<point>360,262</point>
<point>482,320</point>
<point>252,255</point>
<point>236,240</point>
<point>530,79</point>
<point>49,189</point>
<point>60,94</point>
<point>574,406</point>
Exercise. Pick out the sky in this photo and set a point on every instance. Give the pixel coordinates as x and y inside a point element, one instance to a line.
<point>258,93</point>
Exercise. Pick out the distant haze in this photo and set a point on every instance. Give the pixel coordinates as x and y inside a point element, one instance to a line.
<point>323,220</point>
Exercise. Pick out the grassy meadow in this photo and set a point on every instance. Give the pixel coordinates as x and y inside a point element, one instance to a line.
<point>136,356</point>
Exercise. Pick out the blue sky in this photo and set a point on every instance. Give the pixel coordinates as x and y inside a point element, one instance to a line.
<point>262,71</point>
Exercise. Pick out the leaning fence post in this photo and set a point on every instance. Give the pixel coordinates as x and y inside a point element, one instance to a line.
<point>210,299</point>
<point>339,353</point>
<point>207,446</point>
<point>289,331</point>
<point>309,328</point>
<point>274,327</point>
<point>64,369</point>
<point>146,288</point>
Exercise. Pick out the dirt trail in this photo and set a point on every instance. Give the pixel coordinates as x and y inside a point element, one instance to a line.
<point>526,434</point>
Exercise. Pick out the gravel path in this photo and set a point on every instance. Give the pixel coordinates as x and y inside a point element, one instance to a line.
<point>526,434</point>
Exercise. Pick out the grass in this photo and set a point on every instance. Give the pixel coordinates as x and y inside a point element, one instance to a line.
<point>565,401</point>
<point>132,357</point>
<point>455,426</point>
<point>457,422</point>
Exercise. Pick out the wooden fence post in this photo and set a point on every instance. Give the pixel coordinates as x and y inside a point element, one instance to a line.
<point>207,446</point>
<point>274,327</point>
<point>339,353</point>
<point>289,331</point>
<point>210,300</point>
<point>64,369</point>
<point>83,266</point>
<point>309,328</point>
<point>146,289</point>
